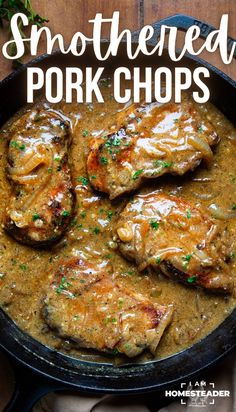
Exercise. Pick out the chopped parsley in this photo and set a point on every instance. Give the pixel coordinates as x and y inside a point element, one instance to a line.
<point>234,206</point>
<point>65,213</point>
<point>49,170</point>
<point>17,146</point>
<point>96,230</point>
<point>109,214</point>
<point>93,177</point>
<point>154,224</point>
<point>192,279</point>
<point>109,256</point>
<point>23,266</point>
<point>158,260</point>
<point>109,319</point>
<point>113,141</point>
<point>85,133</point>
<point>106,320</point>
<point>83,214</point>
<point>137,174</point>
<point>200,129</point>
<point>63,285</point>
<point>35,217</point>
<point>188,214</point>
<point>57,158</point>
<point>103,160</point>
<point>186,260</point>
<point>162,163</point>
<point>83,180</point>
<point>120,302</point>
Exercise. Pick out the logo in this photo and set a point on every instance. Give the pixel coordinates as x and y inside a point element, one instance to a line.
<point>199,393</point>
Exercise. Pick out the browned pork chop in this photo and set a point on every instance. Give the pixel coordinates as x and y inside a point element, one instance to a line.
<point>42,200</point>
<point>170,234</point>
<point>149,141</point>
<point>85,305</point>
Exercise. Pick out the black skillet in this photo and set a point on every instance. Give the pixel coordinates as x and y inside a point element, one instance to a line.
<point>40,369</point>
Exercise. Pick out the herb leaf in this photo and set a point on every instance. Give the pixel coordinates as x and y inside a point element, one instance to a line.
<point>7,9</point>
<point>136,174</point>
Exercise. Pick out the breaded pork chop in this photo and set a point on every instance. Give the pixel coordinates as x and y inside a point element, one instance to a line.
<point>42,200</point>
<point>169,234</point>
<point>149,141</point>
<point>84,304</point>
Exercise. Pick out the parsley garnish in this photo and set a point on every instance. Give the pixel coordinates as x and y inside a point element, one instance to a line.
<point>192,279</point>
<point>83,180</point>
<point>17,146</point>
<point>200,129</point>
<point>186,260</point>
<point>154,224</point>
<point>136,174</point>
<point>188,214</point>
<point>63,285</point>
<point>109,214</point>
<point>85,133</point>
<point>23,266</point>
<point>65,213</point>
<point>103,160</point>
<point>162,163</point>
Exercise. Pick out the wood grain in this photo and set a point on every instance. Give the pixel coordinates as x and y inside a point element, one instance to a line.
<point>209,11</point>
<point>67,17</point>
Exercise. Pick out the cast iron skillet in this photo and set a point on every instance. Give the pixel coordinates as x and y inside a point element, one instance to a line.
<point>48,370</point>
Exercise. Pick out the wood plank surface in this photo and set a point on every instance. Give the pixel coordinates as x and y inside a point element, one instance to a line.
<point>209,11</point>
<point>67,17</point>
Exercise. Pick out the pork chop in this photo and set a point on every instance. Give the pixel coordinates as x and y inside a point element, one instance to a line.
<point>84,304</point>
<point>174,236</point>
<point>147,142</point>
<point>42,201</point>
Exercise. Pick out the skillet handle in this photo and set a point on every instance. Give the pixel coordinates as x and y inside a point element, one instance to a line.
<point>29,389</point>
<point>183,22</point>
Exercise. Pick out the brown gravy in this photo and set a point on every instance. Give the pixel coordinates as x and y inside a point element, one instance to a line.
<point>25,272</point>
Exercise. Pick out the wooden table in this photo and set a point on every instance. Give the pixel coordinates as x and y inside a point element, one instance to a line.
<point>69,16</point>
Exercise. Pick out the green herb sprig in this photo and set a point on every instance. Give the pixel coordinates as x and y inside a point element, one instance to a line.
<point>7,9</point>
